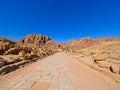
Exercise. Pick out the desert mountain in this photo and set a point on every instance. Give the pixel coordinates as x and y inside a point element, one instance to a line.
<point>75,45</point>
<point>39,40</point>
<point>35,39</point>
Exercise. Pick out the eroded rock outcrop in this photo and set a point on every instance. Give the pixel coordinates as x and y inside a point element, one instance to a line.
<point>98,58</point>
<point>75,45</point>
<point>17,49</point>
<point>115,68</point>
<point>108,39</point>
<point>2,62</point>
<point>64,47</point>
<point>103,64</point>
<point>5,44</point>
<point>39,41</point>
<point>34,39</point>
<point>80,44</point>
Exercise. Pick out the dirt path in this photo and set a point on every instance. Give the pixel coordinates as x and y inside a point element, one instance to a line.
<point>57,72</point>
<point>85,78</point>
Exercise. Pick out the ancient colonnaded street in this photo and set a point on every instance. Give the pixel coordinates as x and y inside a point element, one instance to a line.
<point>56,72</point>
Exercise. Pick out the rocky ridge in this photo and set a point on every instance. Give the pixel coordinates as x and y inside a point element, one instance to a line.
<point>75,45</point>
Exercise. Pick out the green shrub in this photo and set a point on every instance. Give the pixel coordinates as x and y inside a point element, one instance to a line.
<point>108,52</point>
<point>35,50</point>
<point>92,53</point>
<point>104,52</point>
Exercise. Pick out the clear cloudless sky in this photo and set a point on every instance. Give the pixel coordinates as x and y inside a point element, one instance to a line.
<point>62,20</point>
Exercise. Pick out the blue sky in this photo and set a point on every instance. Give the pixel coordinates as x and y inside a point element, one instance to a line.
<point>62,20</point>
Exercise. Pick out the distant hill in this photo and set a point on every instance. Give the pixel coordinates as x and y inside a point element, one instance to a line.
<point>39,40</point>
<point>75,45</point>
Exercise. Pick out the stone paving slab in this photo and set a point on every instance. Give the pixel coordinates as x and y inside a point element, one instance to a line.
<point>66,86</point>
<point>19,84</point>
<point>51,74</point>
<point>55,85</point>
<point>28,84</point>
<point>41,85</point>
<point>4,88</point>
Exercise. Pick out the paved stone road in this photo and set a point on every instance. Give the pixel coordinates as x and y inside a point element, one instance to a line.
<point>49,74</point>
<point>57,72</point>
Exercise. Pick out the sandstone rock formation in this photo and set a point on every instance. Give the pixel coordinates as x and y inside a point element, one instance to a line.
<point>108,39</point>
<point>30,56</point>
<point>80,44</point>
<point>12,60</point>
<point>103,64</point>
<point>38,40</point>
<point>22,53</point>
<point>15,50</point>
<point>115,68</point>
<point>34,39</point>
<point>98,58</point>
<point>76,45</point>
<point>64,47</point>
<point>5,44</point>
<point>2,61</point>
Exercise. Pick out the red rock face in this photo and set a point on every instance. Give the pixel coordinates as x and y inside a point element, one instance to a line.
<point>39,40</point>
<point>64,47</point>
<point>34,39</point>
<point>87,42</point>
<point>108,39</point>
<point>82,43</point>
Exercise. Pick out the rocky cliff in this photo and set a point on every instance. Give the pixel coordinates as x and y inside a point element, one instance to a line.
<point>34,39</point>
<point>82,43</point>
<point>39,40</point>
<point>75,45</point>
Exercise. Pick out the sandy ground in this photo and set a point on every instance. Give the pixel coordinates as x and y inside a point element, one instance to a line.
<point>85,78</point>
<point>57,72</point>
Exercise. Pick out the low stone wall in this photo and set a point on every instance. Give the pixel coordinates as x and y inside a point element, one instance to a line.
<point>12,67</point>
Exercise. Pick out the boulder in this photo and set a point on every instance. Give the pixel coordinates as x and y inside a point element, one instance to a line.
<point>98,58</point>
<point>44,52</point>
<point>30,56</point>
<point>13,60</point>
<point>14,51</point>
<point>115,68</point>
<point>22,53</point>
<point>103,64</point>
